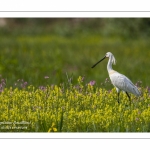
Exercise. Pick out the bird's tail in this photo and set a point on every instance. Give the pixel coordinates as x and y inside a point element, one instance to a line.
<point>138,93</point>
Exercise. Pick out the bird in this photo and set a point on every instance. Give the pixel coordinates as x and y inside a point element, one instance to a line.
<point>120,81</point>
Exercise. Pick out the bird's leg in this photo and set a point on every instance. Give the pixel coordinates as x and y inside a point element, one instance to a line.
<point>128,97</point>
<point>118,97</point>
<point>118,92</point>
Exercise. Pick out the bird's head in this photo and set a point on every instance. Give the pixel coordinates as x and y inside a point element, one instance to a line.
<point>108,54</point>
<point>111,57</point>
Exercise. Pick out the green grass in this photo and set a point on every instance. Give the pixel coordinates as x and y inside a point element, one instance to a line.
<point>31,54</point>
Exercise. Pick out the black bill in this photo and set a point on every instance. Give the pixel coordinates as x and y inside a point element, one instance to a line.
<point>98,62</point>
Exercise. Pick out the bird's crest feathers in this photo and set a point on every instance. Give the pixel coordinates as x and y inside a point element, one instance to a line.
<point>111,56</point>
<point>113,59</point>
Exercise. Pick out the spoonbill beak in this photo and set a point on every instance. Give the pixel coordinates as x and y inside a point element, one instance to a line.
<point>98,62</point>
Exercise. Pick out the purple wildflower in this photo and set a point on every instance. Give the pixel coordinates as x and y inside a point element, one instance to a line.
<point>21,83</point>
<point>2,84</point>
<point>92,83</point>
<point>25,83</point>
<point>42,88</point>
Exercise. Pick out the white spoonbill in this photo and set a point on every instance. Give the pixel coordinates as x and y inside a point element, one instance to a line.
<point>120,81</point>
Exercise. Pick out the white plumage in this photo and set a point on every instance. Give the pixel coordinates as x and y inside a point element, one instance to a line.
<point>120,81</point>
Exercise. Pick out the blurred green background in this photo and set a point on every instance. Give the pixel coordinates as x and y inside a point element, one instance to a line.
<point>33,49</point>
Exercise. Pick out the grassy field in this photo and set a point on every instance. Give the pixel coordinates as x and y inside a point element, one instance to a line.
<point>32,57</point>
<point>80,108</point>
<point>37,63</point>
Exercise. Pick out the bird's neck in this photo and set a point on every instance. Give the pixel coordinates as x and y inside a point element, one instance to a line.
<point>109,65</point>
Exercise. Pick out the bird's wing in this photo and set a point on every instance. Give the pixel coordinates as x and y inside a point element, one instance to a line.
<point>123,83</point>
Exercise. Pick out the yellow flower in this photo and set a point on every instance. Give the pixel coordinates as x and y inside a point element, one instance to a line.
<point>52,128</point>
<point>138,129</point>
